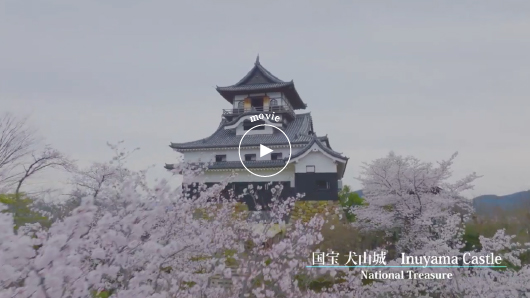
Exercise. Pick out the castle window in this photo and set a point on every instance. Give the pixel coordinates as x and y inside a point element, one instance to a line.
<point>258,123</point>
<point>250,157</point>
<point>310,169</point>
<point>220,158</point>
<point>248,125</point>
<point>322,185</point>
<point>276,156</point>
<point>257,103</point>
<point>274,105</point>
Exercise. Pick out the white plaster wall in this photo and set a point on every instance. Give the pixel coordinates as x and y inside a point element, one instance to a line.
<point>274,94</point>
<point>322,163</point>
<point>239,98</point>
<point>286,101</point>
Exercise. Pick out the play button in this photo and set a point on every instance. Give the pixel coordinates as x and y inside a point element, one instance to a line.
<point>264,164</point>
<point>263,150</point>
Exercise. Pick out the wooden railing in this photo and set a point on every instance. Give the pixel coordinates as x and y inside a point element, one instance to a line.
<point>270,109</point>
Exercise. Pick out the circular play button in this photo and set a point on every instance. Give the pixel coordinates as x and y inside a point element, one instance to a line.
<point>263,151</point>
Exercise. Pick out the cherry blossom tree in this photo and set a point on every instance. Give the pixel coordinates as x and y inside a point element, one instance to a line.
<point>131,240</point>
<point>416,201</point>
<point>127,239</point>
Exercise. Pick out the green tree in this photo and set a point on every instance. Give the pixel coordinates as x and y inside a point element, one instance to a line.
<point>347,199</point>
<point>20,206</point>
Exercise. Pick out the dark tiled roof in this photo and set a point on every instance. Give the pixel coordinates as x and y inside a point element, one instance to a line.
<point>299,131</point>
<point>325,140</point>
<point>318,141</point>
<point>255,87</point>
<point>259,79</point>
<point>258,74</point>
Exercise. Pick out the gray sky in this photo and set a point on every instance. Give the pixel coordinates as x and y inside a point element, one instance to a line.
<point>421,78</point>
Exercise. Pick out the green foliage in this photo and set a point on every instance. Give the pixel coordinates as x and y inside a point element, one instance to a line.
<point>229,252</point>
<point>102,294</point>
<point>389,208</point>
<point>347,199</point>
<point>240,211</point>
<point>320,283</point>
<point>305,210</point>
<point>515,222</point>
<point>525,258</point>
<point>202,213</point>
<point>200,258</point>
<point>201,270</point>
<point>249,245</point>
<point>167,269</point>
<point>209,213</point>
<point>230,260</point>
<point>240,207</point>
<point>188,284</point>
<point>19,206</point>
<point>471,239</point>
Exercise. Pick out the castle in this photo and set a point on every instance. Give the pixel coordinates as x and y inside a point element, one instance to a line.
<point>309,164</point>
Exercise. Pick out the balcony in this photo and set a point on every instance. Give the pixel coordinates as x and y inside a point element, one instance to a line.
<point>270,109</point>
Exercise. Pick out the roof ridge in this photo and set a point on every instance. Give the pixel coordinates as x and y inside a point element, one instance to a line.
<point>263,70</point>
<point>267,72</point>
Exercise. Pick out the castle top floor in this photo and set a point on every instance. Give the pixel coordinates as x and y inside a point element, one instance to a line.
<point>261,91</point>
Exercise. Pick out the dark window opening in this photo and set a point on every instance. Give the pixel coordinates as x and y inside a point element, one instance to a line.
<point>248,125</point>
<point>310,169</point>
<point>322,185</point>
<point>259,122</point>
<point>219,158</point>
<point>257,103</point>
<point>250,157</point>
<point>276,156</point>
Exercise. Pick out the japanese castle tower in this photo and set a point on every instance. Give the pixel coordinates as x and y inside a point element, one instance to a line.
<point>314,169</point>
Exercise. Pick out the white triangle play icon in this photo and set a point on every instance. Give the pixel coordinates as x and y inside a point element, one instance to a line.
<point>264,150</point>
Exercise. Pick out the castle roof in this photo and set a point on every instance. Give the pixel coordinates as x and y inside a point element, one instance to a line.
<point>259,80</point>
<point>320,143</point>
<point>299,131</point>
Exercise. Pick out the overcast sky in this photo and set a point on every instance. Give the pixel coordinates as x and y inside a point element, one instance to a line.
<point>420,78</point>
